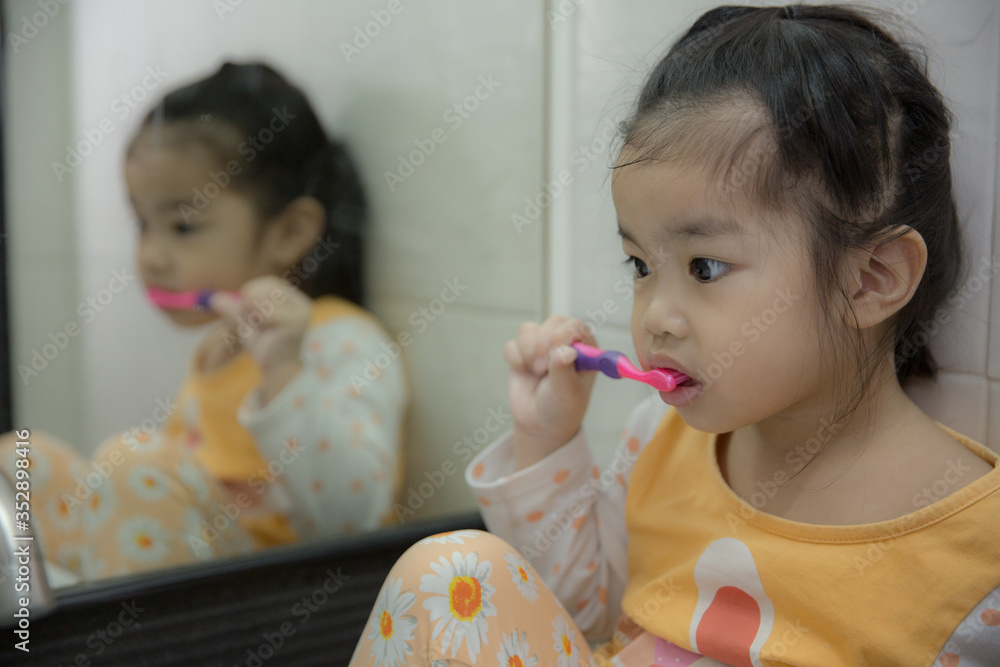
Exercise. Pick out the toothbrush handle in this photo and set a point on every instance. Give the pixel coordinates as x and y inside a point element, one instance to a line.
<point>205,296</point>
<point>203,302</point>
<point>592,359</point>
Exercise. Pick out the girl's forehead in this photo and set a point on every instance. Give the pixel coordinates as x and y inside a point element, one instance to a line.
<point>165,150</point>
<point>672,189</point>
<point>671,200</point>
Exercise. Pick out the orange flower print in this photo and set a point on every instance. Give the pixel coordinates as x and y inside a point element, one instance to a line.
<point>391,631</point>
<point>563,636</point>
<point>514,651</point>
<point>461,602</point>
<point>523,577</point>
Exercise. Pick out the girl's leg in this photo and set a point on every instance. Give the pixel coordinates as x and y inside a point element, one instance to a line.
<point>142,503</point>
<point>468,598</point>
<point>57,474</point>
<point>157,508</point>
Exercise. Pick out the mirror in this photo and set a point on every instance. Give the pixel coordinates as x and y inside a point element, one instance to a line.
<point>441,106</point>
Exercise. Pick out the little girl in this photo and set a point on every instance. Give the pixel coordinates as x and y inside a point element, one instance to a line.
<point>236,188</point>
<point>767,511</point>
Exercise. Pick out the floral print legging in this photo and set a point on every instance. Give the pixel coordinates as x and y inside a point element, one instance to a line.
<point>138,504</point>
<point>468,598</point>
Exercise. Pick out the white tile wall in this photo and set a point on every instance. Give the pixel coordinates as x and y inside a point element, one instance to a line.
<point>42,251</point>
<point>994,431</point>
<point>458,374</point>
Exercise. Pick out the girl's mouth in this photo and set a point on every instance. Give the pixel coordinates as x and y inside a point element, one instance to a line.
<point>685,394</point>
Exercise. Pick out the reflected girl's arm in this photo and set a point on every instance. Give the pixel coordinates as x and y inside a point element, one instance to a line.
<point>336,431</point>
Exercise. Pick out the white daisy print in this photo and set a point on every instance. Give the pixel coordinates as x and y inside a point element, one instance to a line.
<point>193,478</point>
<point>514,651</point>
<point>143,539</point>
<point>462,603</point>
<point>148,482</point>
<point>80,559</point>
<point>390,630</point>
<point>38,464</point>
<point>454,537</point>
<point>64,510</point>
<point>523,577</point>
<point>143,441</point>
<point>563,636</point>
<point>98,506</point>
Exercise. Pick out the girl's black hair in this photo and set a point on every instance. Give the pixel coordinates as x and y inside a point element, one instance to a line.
<point>839,122</point>
<point>251,115</point>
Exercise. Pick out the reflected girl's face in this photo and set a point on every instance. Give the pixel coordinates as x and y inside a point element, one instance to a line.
<point>193,234</point>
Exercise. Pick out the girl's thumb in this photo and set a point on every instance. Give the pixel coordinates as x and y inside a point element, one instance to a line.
<point>225,304</point>
<point>562,371</point>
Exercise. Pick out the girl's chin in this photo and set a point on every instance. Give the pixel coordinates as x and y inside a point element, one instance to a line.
<point>189,318</point>
<point>696,413</point>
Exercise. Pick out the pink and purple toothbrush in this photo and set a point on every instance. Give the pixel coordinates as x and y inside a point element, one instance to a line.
<point>191,300</point>
<point>616,365</point>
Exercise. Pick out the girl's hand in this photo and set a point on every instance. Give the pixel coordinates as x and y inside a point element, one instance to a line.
<point>548,397</point>
<point>269,321</point>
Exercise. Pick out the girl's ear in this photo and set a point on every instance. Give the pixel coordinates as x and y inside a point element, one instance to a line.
<point>884,278</point>
<point>294,232</point>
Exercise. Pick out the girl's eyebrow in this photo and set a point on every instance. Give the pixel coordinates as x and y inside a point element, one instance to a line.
<point>697,228</point>
<point>171,205</point>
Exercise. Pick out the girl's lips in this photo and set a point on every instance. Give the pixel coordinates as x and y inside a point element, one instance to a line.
<point>683,395</point>
<point>675,372</point>
<point>671,366</point>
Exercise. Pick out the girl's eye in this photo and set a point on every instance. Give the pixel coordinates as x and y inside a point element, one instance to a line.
<point>184,228</point>
<point>641,270</point>
<point>706,270</point>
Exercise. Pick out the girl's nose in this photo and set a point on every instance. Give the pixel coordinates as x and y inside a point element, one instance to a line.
<point>154,258</point>
<point>664,315</point>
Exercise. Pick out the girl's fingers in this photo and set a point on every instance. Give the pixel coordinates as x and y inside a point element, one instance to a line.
<point>512,353</point>
<point>225,304</point>
<point>532,350</point>
<point>526,336</point>
<point>572,331</point>
<point>544,342</point>
<point>562,356</point>
<point>562,371</point>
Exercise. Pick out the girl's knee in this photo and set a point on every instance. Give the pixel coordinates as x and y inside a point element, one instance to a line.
<point>416,558</point>
<point>36,441</point>
<point>128,450</point>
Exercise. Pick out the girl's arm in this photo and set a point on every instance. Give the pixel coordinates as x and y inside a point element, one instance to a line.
<point>344,425</point>
<point>567,518</point>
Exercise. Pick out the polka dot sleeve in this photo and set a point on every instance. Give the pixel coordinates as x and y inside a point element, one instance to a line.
<point>567,516</point>
<point>976,640</point>
<point>343,421</point>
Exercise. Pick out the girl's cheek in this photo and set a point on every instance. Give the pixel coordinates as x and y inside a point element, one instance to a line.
<point>637,313</point>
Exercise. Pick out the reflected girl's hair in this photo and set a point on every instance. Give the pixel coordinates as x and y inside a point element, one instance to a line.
<point>817,110</point>
<point>249,114</point>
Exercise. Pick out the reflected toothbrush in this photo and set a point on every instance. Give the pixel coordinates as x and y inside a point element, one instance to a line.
<point>616,365</point>
<point>190,300</point>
